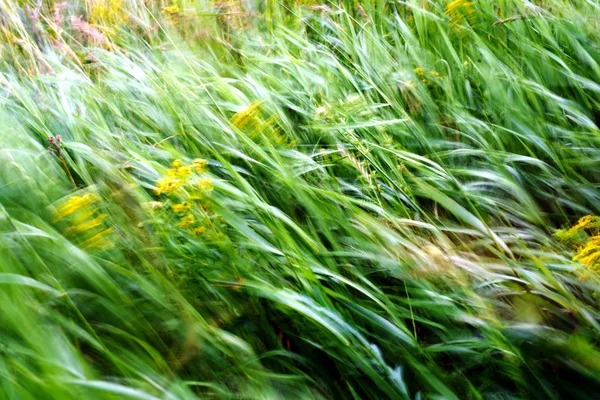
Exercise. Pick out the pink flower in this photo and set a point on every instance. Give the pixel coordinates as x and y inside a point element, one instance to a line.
<point>322,7</point>
<point>94,34</point>
<point>58,8</point>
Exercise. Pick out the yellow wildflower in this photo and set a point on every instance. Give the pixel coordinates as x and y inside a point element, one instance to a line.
<point>181,208</point>
<point>199,230</point>
<point>199,165</point>
<point>89,224</point>
<point>460,11</point>
<point>176,163</point>
<point>187,221</point>
<point>590,260</point>
<point>247,116</point>
<point>588,221</point>
<point>424,74</point>
<point>589,253</point>
<point>205,184</point>
<point>183,172</point>
<point>170,10</point>
<point>585,236</point>
<point>179,172</point>
<point>99,240</point>
<point>167,185</point>
<point>109,12</point>
<point>75,204</point>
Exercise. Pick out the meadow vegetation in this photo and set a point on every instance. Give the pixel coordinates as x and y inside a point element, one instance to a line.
<point>299,200</point>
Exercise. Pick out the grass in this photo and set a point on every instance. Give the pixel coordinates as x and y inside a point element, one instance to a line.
<point>299,200</point>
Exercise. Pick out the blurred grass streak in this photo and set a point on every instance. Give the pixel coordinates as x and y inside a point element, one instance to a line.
<point>375,220</point>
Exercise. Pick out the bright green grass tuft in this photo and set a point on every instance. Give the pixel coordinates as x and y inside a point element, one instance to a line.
<point>295,200</point>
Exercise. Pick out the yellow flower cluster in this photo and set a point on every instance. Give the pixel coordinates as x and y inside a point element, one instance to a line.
<point>171,12</point>
<point>84,221</point>
<point>181,207</point>
<point>248,116</point>
<point>178,175</point>
<point>187,221</point>
<point>588,254</point>
<point>198,230</point>
<point>193,201</point>
<point>107,12</point>
<point>585,238</point>
<point>180,172</point>
<point>167,185</point>
<point>205,184</point>
<point>252,122</point>
<point>427,77</point>
<point>587,222</point>
<point>75,204</point>
<point>461,11</point>
<point>199,165</point>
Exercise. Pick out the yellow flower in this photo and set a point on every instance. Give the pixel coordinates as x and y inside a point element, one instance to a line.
<point>419,71</point>
<point>589,222</point>
<point>179,172</point>
<point>247,116</point>
<point>587,248</point>
<point>199,164</point>
<point>99,240</point>
<point>75,204</point>
<point>181,208</point>
<point>109,12</point>
<point>170,10</point>
<point>458,10</point>
<point>167,185</point>
<point>183,172</point>
<point>590,260</point>
<point>88,225</point>
<point>589,252</point>
<point>205,184</point>
<point>585,222</point>
<point>187,221</point>
<point>199,230</point>
<point>176,163</point>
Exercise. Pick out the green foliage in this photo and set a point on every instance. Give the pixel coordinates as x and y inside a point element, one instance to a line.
<point>364,199</point>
